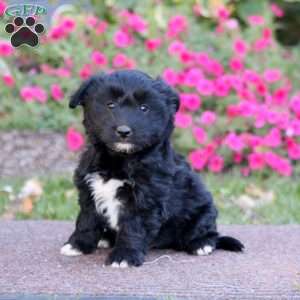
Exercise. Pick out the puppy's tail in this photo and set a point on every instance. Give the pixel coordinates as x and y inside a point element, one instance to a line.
<point>229,243</point>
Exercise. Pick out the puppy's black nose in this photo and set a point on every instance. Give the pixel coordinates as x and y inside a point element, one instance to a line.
<point>123,131</point>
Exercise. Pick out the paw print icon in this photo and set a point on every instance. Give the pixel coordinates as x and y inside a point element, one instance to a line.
<point>27,34</point>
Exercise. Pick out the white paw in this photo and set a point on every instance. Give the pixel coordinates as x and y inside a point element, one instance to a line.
<point>68,250</point>
<point>103,244</point>
<point>205,250</point>
<point>122,264</point>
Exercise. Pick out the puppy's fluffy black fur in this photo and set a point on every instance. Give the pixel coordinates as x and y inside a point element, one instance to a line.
<point>163,203</point>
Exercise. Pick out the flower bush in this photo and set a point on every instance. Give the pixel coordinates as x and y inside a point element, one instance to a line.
<point>240,106</point>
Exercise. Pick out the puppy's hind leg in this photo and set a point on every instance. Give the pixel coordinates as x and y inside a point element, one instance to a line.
<point>200,235</point>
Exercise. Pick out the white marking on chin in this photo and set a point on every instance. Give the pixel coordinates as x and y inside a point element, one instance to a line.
<point>124,147</point>
<point>123,264</point>
<point>103,244</point>
<point>104,194</point>
<point>207,249</point>
<point>68,250</point>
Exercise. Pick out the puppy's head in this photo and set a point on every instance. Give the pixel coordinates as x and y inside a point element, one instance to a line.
<point>127,110</point>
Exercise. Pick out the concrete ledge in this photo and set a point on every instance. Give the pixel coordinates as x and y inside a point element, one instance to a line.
<point>32,268</point>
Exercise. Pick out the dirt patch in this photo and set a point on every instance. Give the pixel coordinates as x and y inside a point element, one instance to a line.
<point>27,154</point>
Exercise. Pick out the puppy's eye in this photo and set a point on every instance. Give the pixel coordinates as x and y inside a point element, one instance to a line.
<point>144,108</point>
<point>111,105</point>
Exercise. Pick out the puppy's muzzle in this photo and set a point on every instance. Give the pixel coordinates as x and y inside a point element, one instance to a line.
<point>123,131</point>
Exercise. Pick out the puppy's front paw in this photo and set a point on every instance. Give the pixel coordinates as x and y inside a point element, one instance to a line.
<point>122,258</point>
<point>69,250</point>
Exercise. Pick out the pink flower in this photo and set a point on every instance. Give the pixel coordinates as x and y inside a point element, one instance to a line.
<point>191,102</point>
<point>101,27</point>
<point>272,75</point>
<point>202,59</point>
<point>256,161</point>
<point>152,44</point>
<point>295,127</point>
<point>176,47</point>
<point>222,87</point>
<point>47,69</point>
<point>273,138</point>
<point>39,94</point>
<point>134,21</point>
<point>223,13</point>
<point>63,29</point>
<point>68,24</point>
<point>256,20</point>
<point>170,76</point>
<point>183,120</point>
<point>62,72</point>
<point>233,110</point>
<point>197,9</point>
<point>31,93</point>
<point>56,92</point>
<point>267,33</point>
<point>6,48</point>
<point>252,76</point>
<point>234,142</point>
<point>198,159</point>
<point>186,57</point>
<point>27,94</point>
<point>214,67</point>
<point>74,139</point>
<point>122,39</point>
<point>280,95</point>
<point>2,8</point>
<point>260,45</point>
<point>205,87</point>
<point>85,72</point>
<point>208,118</point>
<point>120,60</point>
<point>240,47</point>
<point>176,25</point>
<point>279,164</point>
<point>131,64</point>
<point>294,150</point>
<point>236,64</point>
<point>192,76</point>
<point>237,157</point>
<point>252,140</point>
<point>231,24</point>
<point>99,58</point>
<point>261,88</point>
<point>295,104</point>
<point>57,33</point>
<point>91,21</point>
<point>284,167</point>
<point>200,135</point>
<point>216,164</point>
<point>277,10</point>
<point>8,80</point>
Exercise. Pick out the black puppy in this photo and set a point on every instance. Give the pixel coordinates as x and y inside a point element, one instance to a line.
<point>135,192</point>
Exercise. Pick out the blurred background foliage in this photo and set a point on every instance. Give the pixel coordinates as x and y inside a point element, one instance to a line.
<point>287,31</point>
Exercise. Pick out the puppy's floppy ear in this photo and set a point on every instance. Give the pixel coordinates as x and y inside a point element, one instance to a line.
<point>79,96</point>
<point>168,92</point>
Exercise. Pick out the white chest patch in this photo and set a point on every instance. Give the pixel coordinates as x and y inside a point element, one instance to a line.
<point>104,194</point>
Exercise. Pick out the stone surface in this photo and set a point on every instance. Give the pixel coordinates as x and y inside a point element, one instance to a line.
<point>30,264</point>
